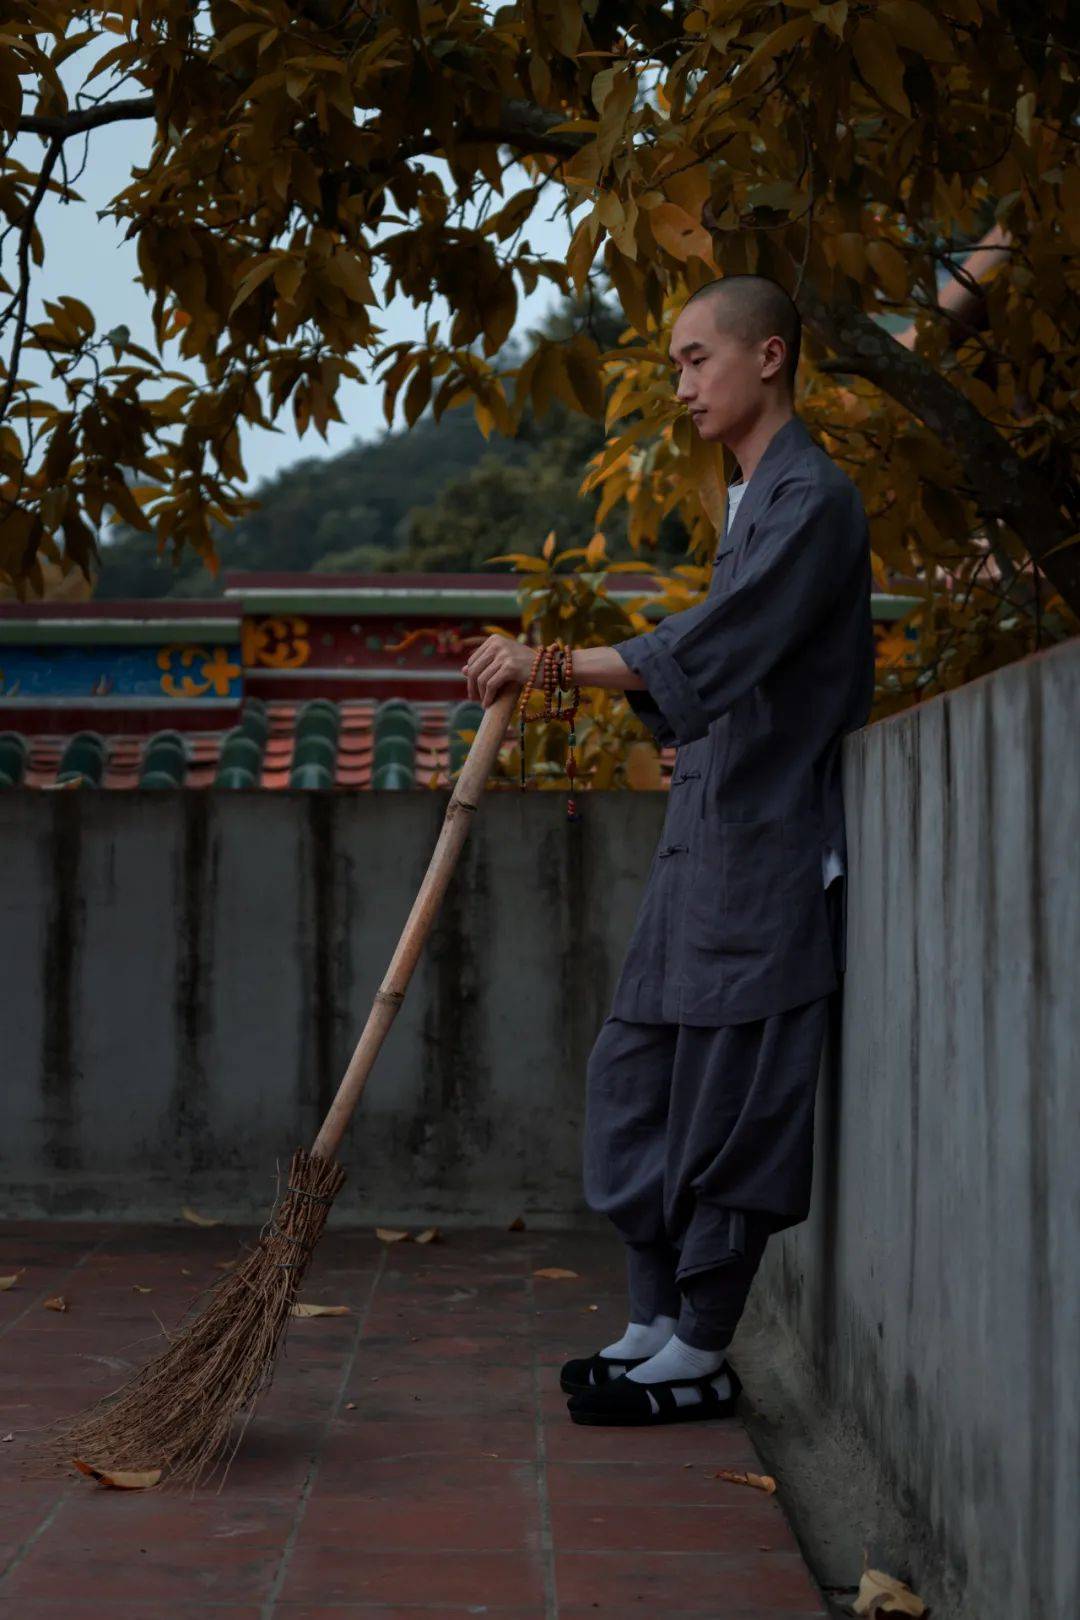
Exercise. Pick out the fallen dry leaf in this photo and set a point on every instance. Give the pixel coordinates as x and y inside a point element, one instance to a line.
<point>517,1224</point>
<point>140,1290</point>
<point>760,1482</point>
<point>8,1437</point>
<point>224,1265</point>
<point>554,1273</point>
<point>884,1594</point>
<point>319,1310</point>
<point>9,1282</point>
<point>196,1219</point>
<point>592,1307</point>
<point>430,1235</point>
<point>119,1479</point>
<point>390,1234</point>
<point>57,1303</point>
<point>350,1406</point>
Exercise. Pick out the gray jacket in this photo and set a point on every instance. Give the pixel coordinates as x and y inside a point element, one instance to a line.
<point>757,685</point>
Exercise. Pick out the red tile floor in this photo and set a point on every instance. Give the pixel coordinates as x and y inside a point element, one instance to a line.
<point>413,1458</point>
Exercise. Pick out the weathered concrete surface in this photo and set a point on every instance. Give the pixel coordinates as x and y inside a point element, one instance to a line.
<point>185,975</point>
<point>934,1294</point>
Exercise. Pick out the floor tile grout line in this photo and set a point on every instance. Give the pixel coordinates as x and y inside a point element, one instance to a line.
<point>270,1601</point>
<point>27,1545</point>
<point>547,1540</point>
<point>34,1304</point>
<point>65,1487</point>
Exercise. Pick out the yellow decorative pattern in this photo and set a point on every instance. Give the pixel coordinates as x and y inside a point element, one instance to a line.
<point>215,667</point>
<point>278,643</point>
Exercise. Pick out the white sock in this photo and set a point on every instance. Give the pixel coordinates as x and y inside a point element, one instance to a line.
<point>679,1360</point>
<point>641,1339</point>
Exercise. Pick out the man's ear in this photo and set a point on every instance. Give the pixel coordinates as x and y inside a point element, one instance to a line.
<point>775,355</point>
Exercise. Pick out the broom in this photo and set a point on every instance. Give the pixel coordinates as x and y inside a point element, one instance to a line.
<point>177,1414</point>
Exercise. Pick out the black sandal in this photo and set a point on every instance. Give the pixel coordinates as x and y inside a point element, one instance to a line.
<point>594,1372</point>
<point>626,1404</point>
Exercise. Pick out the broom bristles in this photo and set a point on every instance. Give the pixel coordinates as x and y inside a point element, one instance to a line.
<point>178,1412</point>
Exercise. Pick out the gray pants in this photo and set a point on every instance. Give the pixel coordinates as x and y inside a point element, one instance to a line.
<point>699,1145</point>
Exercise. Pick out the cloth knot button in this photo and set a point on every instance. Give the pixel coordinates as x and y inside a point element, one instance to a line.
<point>674,849</point>
<point>687,776</point>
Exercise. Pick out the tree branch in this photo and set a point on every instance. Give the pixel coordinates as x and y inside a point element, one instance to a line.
<point>87,118</point>
<point>1008,488</point>
<point>26,231</point>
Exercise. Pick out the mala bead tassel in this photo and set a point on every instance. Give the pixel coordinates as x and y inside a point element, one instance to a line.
<point>553,668</point>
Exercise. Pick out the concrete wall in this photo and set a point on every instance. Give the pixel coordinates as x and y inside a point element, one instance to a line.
<point>935,1290</point>
<point>185,975</point>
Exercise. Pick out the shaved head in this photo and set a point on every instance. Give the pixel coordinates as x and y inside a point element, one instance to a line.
<point>753,308</point>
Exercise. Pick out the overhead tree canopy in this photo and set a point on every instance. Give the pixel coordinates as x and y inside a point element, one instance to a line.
<point>285,186</point>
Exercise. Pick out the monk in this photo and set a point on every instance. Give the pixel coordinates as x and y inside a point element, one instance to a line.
<point>701,1084</point>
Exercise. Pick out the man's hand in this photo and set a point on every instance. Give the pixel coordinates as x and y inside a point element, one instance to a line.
<point>495,662</point>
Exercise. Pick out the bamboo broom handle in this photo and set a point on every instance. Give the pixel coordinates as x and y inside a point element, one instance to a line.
<point>464,802</point>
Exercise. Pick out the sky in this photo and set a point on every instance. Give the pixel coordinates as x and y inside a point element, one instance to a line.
<point>87,258</point>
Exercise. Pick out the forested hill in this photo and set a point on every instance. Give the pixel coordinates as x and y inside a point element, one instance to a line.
<point>437,497</point>
<point>346,512</point>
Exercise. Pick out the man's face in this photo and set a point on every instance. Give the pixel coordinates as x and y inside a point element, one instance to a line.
<point>717,376</point>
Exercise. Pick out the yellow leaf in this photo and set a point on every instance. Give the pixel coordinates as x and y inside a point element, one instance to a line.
<point>760,1482</point>
<point>287,278</point>
<point>679,234</point>
<point>613,91</point>
<point>253,280</point>
<point>912,25</point>
<point>389,1234</point>
<point>196,1219</point>
<point>595,551</point>
<point>534,565</point>
<point>629,283</point>
<point>781,39</point>
<point>548,547</point>
<point>579,256</point>
<point>349,274</point>
<point>880,65</point>
<point>57,1303</point>
<point>119,1479</point>
<point>707,473</point>
<point>9,1282</point>
<point>585,381</point>
<point>688,188</point>
<point>430,1234</point>
<point>554,1273</point>
<point>884,1594</point>
<point>300,1309</point>
<point>890,267</point>
<point>851,254</point>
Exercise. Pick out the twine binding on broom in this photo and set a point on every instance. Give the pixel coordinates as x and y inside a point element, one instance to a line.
<point>179,1413</point>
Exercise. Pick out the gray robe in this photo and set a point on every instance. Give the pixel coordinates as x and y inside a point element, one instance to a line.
<point>757,685</point>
